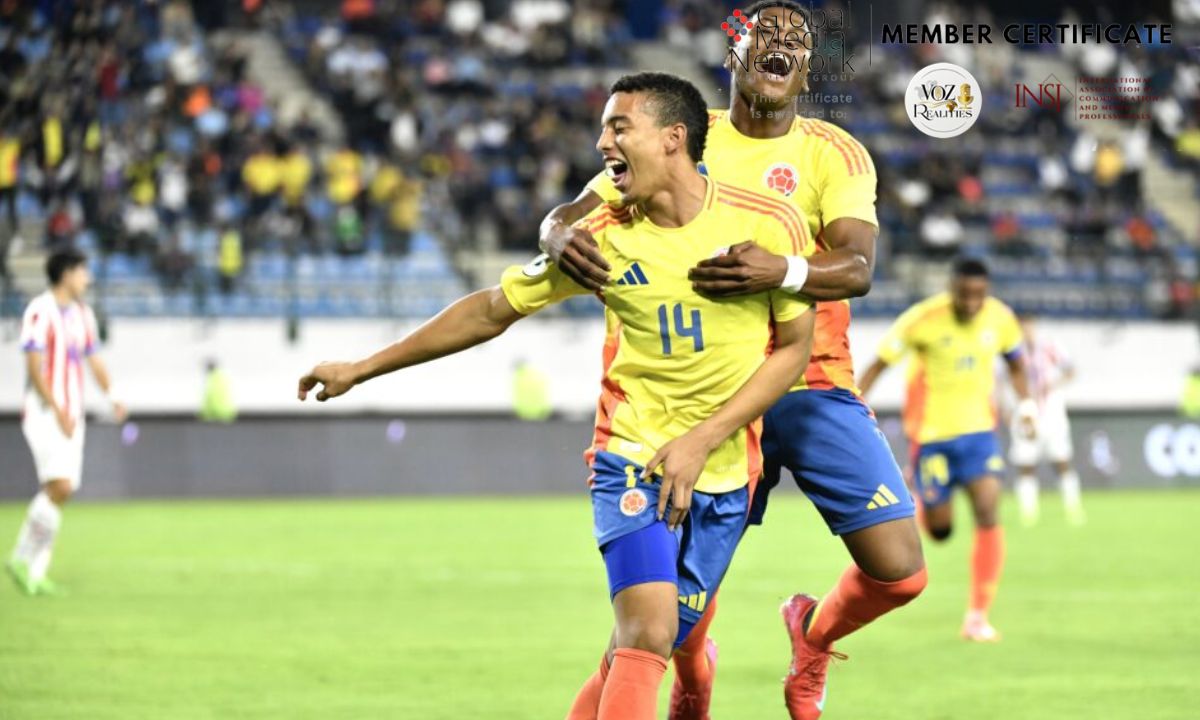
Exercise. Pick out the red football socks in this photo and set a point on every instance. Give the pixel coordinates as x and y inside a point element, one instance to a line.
<point>587,702</point>
<point>986,563</point>
<point>631,690</point>
<point>691,658</point>
<point>856,600</point>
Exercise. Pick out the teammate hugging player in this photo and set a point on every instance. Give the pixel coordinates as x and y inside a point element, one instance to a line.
<point>58,333</point>
<point>949,417</point>
<point>680,392</point>
<point>821,431</point>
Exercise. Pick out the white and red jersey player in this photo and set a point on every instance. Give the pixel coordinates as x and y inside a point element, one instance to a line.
<point>64,336</point>
<point>1048,369</point>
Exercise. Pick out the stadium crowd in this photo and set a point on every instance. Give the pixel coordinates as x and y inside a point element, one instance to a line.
<point>137,129</point>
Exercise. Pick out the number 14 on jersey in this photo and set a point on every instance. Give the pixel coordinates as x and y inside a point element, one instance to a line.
<point>683,329</point>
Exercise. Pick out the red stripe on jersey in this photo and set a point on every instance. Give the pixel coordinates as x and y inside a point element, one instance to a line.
<point>914,405</point>
<point>786,209</point>
<point>856,149</point>
<point>611,396</point>
<point>831,365</point>
<point>52,353</point>
<point>854,164</point>
<point>754,459</point>
<point>796,243</point>
<point>79,382</point>
<point>607,218</point>
<point>842,139</point>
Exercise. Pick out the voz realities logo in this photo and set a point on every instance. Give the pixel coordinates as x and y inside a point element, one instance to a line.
<point>943,100</point>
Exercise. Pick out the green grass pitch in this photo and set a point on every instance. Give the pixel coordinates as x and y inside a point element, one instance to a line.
<point>482,608</point>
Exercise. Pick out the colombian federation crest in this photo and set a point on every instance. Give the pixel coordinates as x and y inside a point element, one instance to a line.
<point>633,502</point>
<point>782,178</point>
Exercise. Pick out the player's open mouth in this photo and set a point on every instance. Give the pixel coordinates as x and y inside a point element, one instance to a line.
<point>776,66</point>
<point>617,171</point>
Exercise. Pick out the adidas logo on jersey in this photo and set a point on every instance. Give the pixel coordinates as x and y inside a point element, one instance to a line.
<point>883,498</point>
<point>634,276</point>
<point>696,602</point>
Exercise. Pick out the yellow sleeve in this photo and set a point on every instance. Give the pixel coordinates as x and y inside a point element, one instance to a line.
<point>899,338</point>
<point>787,305</point>
<point>541,282</point>
<point>847,179</point>
<point>1010,331</point>
<point>603,186</point>
<point>536,285</point>
<point>786,234</point>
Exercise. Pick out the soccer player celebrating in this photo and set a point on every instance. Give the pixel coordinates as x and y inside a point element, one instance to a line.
<point>949,416</point>
<point>821,431</point>
<point>1049,370</point>
<point>675,453</point>
<point>57,335</point>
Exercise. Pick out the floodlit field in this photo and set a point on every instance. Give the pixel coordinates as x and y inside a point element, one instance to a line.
<point>497,609</point>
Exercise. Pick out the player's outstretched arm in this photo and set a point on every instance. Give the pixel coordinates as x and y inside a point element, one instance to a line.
<point>840,272</point>
<point>683,458</point>
<point>571,248</point>
<point>1027,409</point>
<point>104,380</point>
<point>470,321</point>
<point>867,381</point>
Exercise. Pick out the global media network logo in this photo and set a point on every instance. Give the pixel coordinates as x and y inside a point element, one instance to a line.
<point>736,25</point>
<point>821,33</point>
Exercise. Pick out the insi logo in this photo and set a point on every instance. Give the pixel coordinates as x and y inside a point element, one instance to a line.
<point>634,276</point>
<point>1050,93</point>
<point>737,24</point>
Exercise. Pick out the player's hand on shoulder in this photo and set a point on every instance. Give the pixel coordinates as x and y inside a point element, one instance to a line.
<point>335,378</point>
<point>576,252</point>
<point>747,268</point>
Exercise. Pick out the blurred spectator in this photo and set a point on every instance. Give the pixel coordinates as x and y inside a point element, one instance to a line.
<point>52,153</point>
<point>1108,167</point>
<point>1142,237</point>
<point>174,264</point>
<point>230,260</point>
<point>530,393</point>
<point>1189,402</point>
<point>217,404</point>
<point>941,232</point>
<point>60,229</point>
<point>1007,238</point>
<point>399,198</point>
<point>10,168</point>
<point>261,178</point>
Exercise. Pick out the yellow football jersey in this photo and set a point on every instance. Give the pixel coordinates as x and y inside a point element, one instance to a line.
<point>951,379</point>
<point>824,173</point>
<point>673,357</point>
